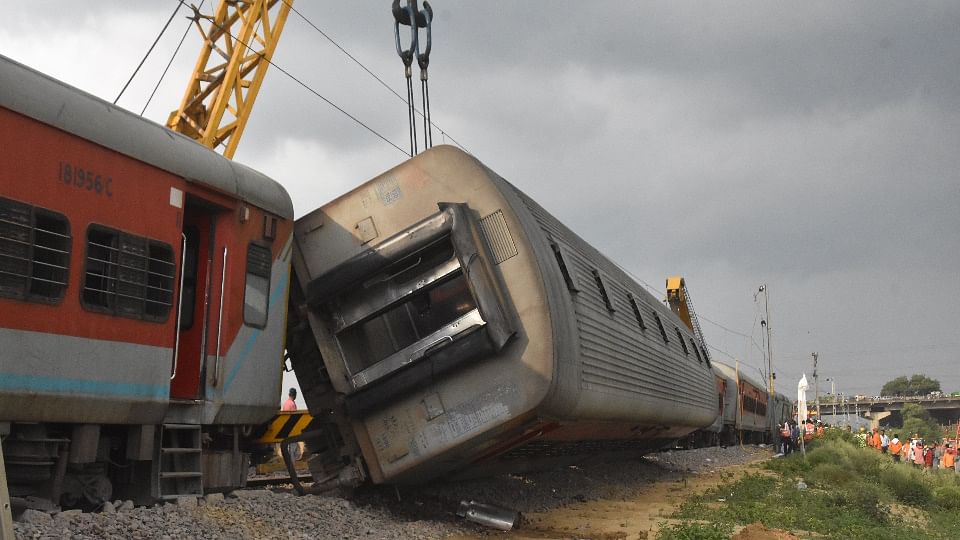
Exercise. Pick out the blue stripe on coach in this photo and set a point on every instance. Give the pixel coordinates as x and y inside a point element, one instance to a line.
<point>38,383</point>
<point>248,345</point>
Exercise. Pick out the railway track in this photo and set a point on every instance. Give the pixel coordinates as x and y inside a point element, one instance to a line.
<point>274,480</point>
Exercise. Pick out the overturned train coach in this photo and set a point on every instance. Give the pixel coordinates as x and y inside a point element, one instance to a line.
<point>443,323</point>
<point>143,286</point>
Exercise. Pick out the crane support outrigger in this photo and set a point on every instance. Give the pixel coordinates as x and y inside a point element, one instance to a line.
<point>238,46</point>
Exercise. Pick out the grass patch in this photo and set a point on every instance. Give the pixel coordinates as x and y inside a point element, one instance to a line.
<point>696,531</point>
<point>851,493</point>
<point>907,485</point>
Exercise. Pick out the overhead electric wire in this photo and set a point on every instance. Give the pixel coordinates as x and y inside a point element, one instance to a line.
<point>172,57</point>
<point>311,90</point>
<point>371,73</point>
<point>150,50</point>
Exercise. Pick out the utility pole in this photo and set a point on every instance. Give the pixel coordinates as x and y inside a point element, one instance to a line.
<point>816,384</point>
<point>766,323</point>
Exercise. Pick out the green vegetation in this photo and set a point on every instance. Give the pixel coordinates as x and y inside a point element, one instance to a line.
<point>696,531</point>
<point>838,491</point>
<point>916,419</point>
<point>917,385</point>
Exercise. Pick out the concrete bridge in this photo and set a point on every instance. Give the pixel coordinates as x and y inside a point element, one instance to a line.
<point>945,410</point>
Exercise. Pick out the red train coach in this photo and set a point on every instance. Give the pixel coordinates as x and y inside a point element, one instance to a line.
<point>143,285</point>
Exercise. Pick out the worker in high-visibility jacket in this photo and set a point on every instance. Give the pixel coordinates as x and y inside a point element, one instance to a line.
<point>861,438</point>
<point>950,458</point>
<point>876,440</point>
<point>895,447</point>
<point>808,431</point>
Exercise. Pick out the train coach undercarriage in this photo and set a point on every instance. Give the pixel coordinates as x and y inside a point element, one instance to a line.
<point>85,465</point>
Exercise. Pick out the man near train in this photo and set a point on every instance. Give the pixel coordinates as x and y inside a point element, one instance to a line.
<point>291,403</point>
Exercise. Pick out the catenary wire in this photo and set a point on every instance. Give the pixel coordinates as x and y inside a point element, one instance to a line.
<point>312,91</point>
<point>150,50</point>
<point>371,73</point>
<point>172,57</point>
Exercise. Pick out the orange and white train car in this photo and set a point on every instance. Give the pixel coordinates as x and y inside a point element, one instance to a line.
<point>143,286</point>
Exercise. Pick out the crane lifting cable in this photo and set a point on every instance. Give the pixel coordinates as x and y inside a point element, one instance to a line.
<point>423,60</point>
<point>410,15</point>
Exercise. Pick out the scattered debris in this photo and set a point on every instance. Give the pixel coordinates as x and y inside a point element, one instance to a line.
<point>488,515</point>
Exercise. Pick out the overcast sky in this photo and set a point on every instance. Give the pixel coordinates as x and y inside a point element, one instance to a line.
<point>812,147</point>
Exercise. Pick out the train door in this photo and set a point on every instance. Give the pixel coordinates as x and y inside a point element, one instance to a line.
<point>199,281</point>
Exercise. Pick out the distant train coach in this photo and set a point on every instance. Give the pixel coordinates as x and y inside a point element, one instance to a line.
<point>143,283</point>
<point>445,323</point>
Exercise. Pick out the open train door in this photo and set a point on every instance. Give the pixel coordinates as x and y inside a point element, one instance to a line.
<point>201,292</point>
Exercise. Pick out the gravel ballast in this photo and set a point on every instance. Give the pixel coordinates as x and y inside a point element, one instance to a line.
<point>377,512</point>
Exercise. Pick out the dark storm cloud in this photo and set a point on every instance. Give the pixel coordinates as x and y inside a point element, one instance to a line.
<point>812,146</point>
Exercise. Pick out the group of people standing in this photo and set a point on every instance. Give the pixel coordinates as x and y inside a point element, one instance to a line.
<point>791,433</point>
<point>932,456</point>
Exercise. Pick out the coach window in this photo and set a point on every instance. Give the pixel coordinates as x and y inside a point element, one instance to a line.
<point>257,291</point>
<point>126,275</point>
<point>34,252</point>
<point>636,311</point>
<point>683,343</point>
<point>564,270</point>
<point>695,350</point>
<point>603,291</point>
<point>663,332</point>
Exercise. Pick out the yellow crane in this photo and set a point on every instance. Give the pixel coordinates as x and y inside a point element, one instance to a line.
<point>238,45</point>
<point>679,300</point>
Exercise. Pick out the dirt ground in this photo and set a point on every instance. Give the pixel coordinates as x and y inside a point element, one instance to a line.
<point>635,517</point>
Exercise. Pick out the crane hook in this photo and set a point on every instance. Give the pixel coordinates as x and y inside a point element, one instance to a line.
<point>404,15</point>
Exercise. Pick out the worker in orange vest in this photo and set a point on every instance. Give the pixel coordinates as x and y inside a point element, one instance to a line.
<point>949,457</point>
<point>876,440</point>
<point>895,447</point>
<point>808,431</point>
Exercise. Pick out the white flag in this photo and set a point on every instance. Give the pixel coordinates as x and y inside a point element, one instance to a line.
<point>802,400</point>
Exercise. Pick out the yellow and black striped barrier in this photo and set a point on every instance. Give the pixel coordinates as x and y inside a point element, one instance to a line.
<point>286,424</point>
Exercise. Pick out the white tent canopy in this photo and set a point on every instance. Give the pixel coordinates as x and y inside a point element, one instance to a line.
<point>802,399</point>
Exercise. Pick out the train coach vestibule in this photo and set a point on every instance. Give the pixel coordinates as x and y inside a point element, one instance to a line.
<point>417,293</point>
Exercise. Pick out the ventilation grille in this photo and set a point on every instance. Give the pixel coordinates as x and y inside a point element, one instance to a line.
<point>494,228</point>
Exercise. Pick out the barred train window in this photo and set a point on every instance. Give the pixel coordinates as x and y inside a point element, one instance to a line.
<point>127,275</point>
<point>257,291</point>
<point>34,252</point>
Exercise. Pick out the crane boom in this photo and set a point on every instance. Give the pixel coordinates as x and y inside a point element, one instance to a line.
<point>678,297</point>
<point>238,45</point>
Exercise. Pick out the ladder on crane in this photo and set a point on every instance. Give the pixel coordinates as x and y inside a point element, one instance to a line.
<point>678,297</point>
